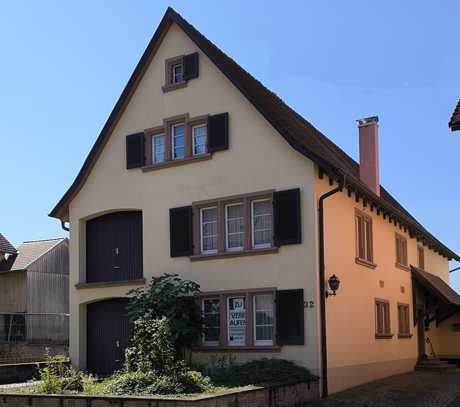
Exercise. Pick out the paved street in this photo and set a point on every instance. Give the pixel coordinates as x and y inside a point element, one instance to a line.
<point>418,389</point>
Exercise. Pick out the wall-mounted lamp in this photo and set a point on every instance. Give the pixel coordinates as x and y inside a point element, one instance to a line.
<point>334,284</point>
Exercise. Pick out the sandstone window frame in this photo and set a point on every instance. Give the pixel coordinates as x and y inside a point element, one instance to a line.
<point>404,320</point>
<point>421,257</point>
<point>382,319</point>
<point>171,82</point>
<point>250,343</point>
<point>222,203</point>
<point>167,130</point>
<point>401,246</point>
<point>364,239</point>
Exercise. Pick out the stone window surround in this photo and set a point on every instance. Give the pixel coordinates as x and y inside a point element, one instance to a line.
<point>362,261</point>
<point>166,130</point>
<point>169,64</point>
<point>407,333</point>
<point>250,321</point>
<point>246,199</point>
<point>387,334</point>
<point>402,241</point>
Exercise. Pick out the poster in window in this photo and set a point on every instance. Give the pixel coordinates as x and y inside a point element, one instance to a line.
<point>236,321</point>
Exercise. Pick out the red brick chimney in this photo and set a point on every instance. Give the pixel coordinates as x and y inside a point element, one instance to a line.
<point>369,170</point>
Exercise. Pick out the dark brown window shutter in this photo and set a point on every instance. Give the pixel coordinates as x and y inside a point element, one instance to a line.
<point>135,150</point>
<point>287,221</point>
<point>218,132</point>
<point>181,231</point>
<point>290,317</point>
<point>191,69</point>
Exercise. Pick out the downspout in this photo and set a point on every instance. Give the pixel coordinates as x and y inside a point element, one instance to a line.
<point>322,285</point>
<point>63,226</point>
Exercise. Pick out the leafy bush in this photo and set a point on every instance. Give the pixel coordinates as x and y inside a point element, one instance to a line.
<point>261,372</point>
<point>151,366</point>
<point>57,377</point>
<point>171,297</point>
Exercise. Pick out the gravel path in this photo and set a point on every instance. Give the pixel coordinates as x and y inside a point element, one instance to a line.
<point>417,389</point>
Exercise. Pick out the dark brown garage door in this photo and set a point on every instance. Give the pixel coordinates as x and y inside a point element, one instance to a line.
<point>108,332</point>
<point>114,247</point>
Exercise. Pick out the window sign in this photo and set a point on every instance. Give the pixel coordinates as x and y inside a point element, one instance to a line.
<point>237,321</point>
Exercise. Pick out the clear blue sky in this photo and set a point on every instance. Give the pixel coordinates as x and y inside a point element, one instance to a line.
<point>64,64</point>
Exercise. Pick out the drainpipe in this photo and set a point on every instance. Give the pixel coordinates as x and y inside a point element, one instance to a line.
<point>322,285</point>
<point>63,226</point>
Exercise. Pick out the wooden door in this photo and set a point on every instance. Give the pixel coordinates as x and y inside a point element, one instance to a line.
<point>108,332</point>
<point>114,247</point>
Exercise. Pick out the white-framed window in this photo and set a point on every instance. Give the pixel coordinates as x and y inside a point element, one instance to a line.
<point>199,139</point>
<point>261,223</point>
<point>234,226</point>
<point>158,148</point>
<point>263,320</point>
<point>236,321</point>
<point>178,141</point>
<point>177,73</point>
<point>208,222</point>
<point>211,321</point>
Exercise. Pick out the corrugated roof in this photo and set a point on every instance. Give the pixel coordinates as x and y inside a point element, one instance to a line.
<point>32,250</point>
<point>6,246</point>
<point>298,132</point>
<point>454,122</point>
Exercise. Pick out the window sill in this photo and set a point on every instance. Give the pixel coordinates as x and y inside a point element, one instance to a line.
<point>175,163</point>
<point>383,336</point>
<point>104,284</point>
<point>252,252</point>
<point>404,336</point>
<point>174,86</point>
<point>365,263</point>
<point>402,267</point>
<point>237,349</point>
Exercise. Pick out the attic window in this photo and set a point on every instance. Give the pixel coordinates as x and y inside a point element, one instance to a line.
<point>179,70</point>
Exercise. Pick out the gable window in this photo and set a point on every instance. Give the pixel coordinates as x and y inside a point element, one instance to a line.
<point>382,319</point>
<point>211,321</point>
<point>234,230</point>
<point>263,319</point>
<point>177,73</point>
<point>178,141</point>
<point>262,223</point>
<point>199,139</point>
<point>401,251</point>
<point>403,318</point>
<point>158,148</point>
<point>208,219</point>
<point>421,257</point>
<point>364,250</point>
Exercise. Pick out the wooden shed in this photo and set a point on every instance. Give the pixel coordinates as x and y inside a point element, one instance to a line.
<point>34,292</point>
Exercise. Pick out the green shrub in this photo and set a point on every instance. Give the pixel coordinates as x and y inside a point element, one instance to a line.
<point>261,372</point>
<point>171,297</point>
<point>57,377</point>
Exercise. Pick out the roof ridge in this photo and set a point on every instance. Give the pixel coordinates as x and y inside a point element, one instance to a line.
<point>43,240</point>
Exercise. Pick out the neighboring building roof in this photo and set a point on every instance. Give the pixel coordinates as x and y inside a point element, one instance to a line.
<point>298,132</point>
<point>32,250</point>
<point>6,246</point>
<point>436,286</point>
<point>454,122</point>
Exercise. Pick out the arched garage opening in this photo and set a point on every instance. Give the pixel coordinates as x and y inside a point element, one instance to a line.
<point>114,247</point>
<point>108,333</point>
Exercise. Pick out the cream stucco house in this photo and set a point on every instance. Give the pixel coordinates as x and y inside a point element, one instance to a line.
<point>202,171</point>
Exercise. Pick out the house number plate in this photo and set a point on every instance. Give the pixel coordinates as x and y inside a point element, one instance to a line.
<point>309,304</point>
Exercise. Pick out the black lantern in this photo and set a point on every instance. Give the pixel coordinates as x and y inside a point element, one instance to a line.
<point>334,284</point>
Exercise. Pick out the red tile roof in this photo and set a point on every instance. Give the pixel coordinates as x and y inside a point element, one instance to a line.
<point>297,131</point>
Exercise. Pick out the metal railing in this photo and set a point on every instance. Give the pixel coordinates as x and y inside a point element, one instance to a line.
<point>34,328</point>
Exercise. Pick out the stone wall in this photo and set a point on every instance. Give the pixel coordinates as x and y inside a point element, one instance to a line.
<point>280,396</point>
<point>25,352</point>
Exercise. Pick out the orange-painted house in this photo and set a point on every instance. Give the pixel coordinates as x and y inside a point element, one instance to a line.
<point>200,170</point>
